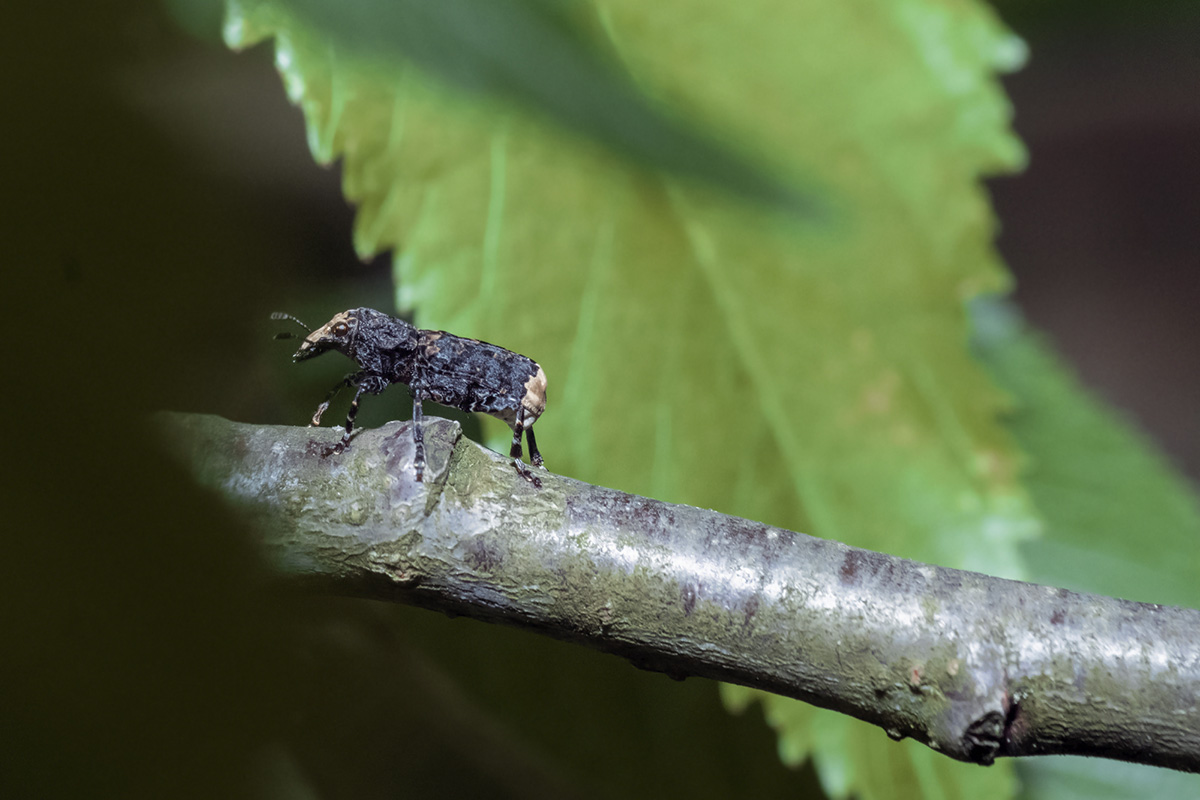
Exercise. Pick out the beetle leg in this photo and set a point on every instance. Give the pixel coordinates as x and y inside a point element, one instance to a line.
<point>350,415</point>
<point>525,473</point>
<point>535,457</point>
<point>418,436</point>
<point>350,380</point>
<point>514,452</point>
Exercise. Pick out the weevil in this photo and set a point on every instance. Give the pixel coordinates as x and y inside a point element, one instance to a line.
<point>435,365</point>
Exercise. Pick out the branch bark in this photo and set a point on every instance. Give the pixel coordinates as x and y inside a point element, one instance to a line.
<point>973,666</point>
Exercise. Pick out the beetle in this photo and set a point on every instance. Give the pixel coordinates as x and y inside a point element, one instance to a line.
<point>452,370</point>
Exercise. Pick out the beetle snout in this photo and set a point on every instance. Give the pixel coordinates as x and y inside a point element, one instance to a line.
<point>314,345</point>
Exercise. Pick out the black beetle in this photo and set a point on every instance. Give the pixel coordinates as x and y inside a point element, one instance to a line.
<point>435,365</point>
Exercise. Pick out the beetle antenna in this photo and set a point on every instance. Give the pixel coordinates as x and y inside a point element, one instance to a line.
<point>286,335</point>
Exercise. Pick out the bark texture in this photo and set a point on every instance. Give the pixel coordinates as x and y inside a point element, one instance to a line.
<point>973,666</point>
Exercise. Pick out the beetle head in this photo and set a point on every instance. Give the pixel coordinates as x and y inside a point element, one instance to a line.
<point>337,334</point>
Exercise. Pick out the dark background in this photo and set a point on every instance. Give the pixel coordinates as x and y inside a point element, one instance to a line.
<point>1103,230</point>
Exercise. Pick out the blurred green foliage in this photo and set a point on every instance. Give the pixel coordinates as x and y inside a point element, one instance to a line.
<point>1119,520</point>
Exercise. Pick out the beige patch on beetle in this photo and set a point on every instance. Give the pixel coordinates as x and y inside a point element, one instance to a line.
<point>326,330</point>
<point>431,348</point>
<point>534,400</point>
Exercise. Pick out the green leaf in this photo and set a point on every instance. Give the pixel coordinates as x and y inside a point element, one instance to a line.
<point>1079,778</point>
<point>852,758</point>
<point>1119,521</point>
<point>811,373</point>
<point>804,364</point>
<point>533,53</point>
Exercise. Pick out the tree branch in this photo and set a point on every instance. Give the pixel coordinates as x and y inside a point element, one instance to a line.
<point>973,666</point>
